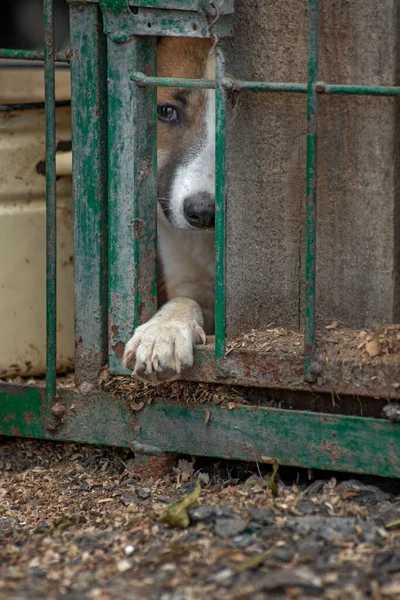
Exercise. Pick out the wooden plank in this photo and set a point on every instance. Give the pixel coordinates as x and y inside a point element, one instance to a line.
<point>295,438</point>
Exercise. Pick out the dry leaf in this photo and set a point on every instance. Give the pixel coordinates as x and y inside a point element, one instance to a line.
<point>332,325</point>
<point>207,417</point>
<point>231,405</point>
<point>373,347</point>
<point>253,562</point>
<point>393,524</point>
<point>136,406</point>
<point>177,514</point>
<point>185,469</point>
<point>272,485</point>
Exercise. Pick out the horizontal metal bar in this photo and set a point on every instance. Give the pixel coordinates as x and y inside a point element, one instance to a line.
<point>32,55</point>
<point>142,80</point>
<point>253,433</point>
<point>227,83</point>
<point>362,90</point>
<point>264,86</point>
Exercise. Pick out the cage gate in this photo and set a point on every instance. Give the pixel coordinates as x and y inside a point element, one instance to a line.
<point>114,80</point>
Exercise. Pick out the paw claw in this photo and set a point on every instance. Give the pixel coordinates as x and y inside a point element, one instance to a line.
<point>160,349</point>
<point>200,336</point>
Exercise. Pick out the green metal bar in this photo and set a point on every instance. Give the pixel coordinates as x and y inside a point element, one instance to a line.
<point>51,217</point>
<point>311,190</point>
<point>32,55</point>
<point>238,85</point>
<point>132,131</point>
<point>228,83</point>
<point>364,90</point>
<point>291,437</point>
<point>220,198</point>
<point>89,191</point>
<point>143,80</point>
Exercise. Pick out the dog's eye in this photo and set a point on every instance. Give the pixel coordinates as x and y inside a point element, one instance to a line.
<point>168,113</point>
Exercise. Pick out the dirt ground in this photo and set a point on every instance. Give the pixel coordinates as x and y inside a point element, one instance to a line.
<point>79,522</point>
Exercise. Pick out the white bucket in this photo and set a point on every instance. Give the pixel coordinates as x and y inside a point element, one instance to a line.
<point>23,226</point>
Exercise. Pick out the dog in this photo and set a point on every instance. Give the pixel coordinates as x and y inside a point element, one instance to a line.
<point>161,348</point>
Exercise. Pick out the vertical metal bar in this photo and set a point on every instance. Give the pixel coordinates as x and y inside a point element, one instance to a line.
<point>220,193</point>
<point>51,222</point>
<point>89,138</point>
<point>311,188</point>
<point>132,150</point>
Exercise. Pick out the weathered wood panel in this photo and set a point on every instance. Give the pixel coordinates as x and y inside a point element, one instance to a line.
<point>266,166</point>
<point>359,166</point>
<point>358,211</point>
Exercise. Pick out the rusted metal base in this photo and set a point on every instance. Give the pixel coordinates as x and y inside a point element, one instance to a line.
<point>297,438</point>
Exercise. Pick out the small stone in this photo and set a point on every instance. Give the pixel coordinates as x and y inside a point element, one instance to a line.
<point>325,528</point>
<point>143,493</point>
<point>385,513</point>
<point>309,508</point>
<point>308,549</point>
<point>283,554</point>
<point>42,527</point>
<point>229,527</point>
<point>264,516</point>
<point>300,577</point>
<point>209,513</point>
<point>392,412</point>
<point>222,576</point>
<point>123,565</point>
<point>366,495</point>
<point>243,540</point>
<point>6,527</point>
<point>129,550</point>
<point>188,488</point>
<point>128,499</point>
<point>37,572</point>
<point>369,532</point>
<point>172,596</point>
<point>387,562</point>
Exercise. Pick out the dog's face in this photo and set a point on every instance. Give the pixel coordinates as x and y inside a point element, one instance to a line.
<point>186,136</point>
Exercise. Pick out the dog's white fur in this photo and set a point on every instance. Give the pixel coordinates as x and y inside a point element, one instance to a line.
<point>198,174</point>
<point>164,345</point>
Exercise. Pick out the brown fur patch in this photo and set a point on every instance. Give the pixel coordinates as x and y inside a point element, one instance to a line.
<point>183,58</point>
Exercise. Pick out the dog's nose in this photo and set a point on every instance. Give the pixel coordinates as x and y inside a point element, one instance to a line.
<point>199,210</point>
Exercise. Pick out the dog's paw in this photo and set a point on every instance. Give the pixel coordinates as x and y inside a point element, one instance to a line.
<point>161,348</point>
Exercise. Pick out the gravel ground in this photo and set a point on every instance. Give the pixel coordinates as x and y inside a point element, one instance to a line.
<point>81,522</point>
